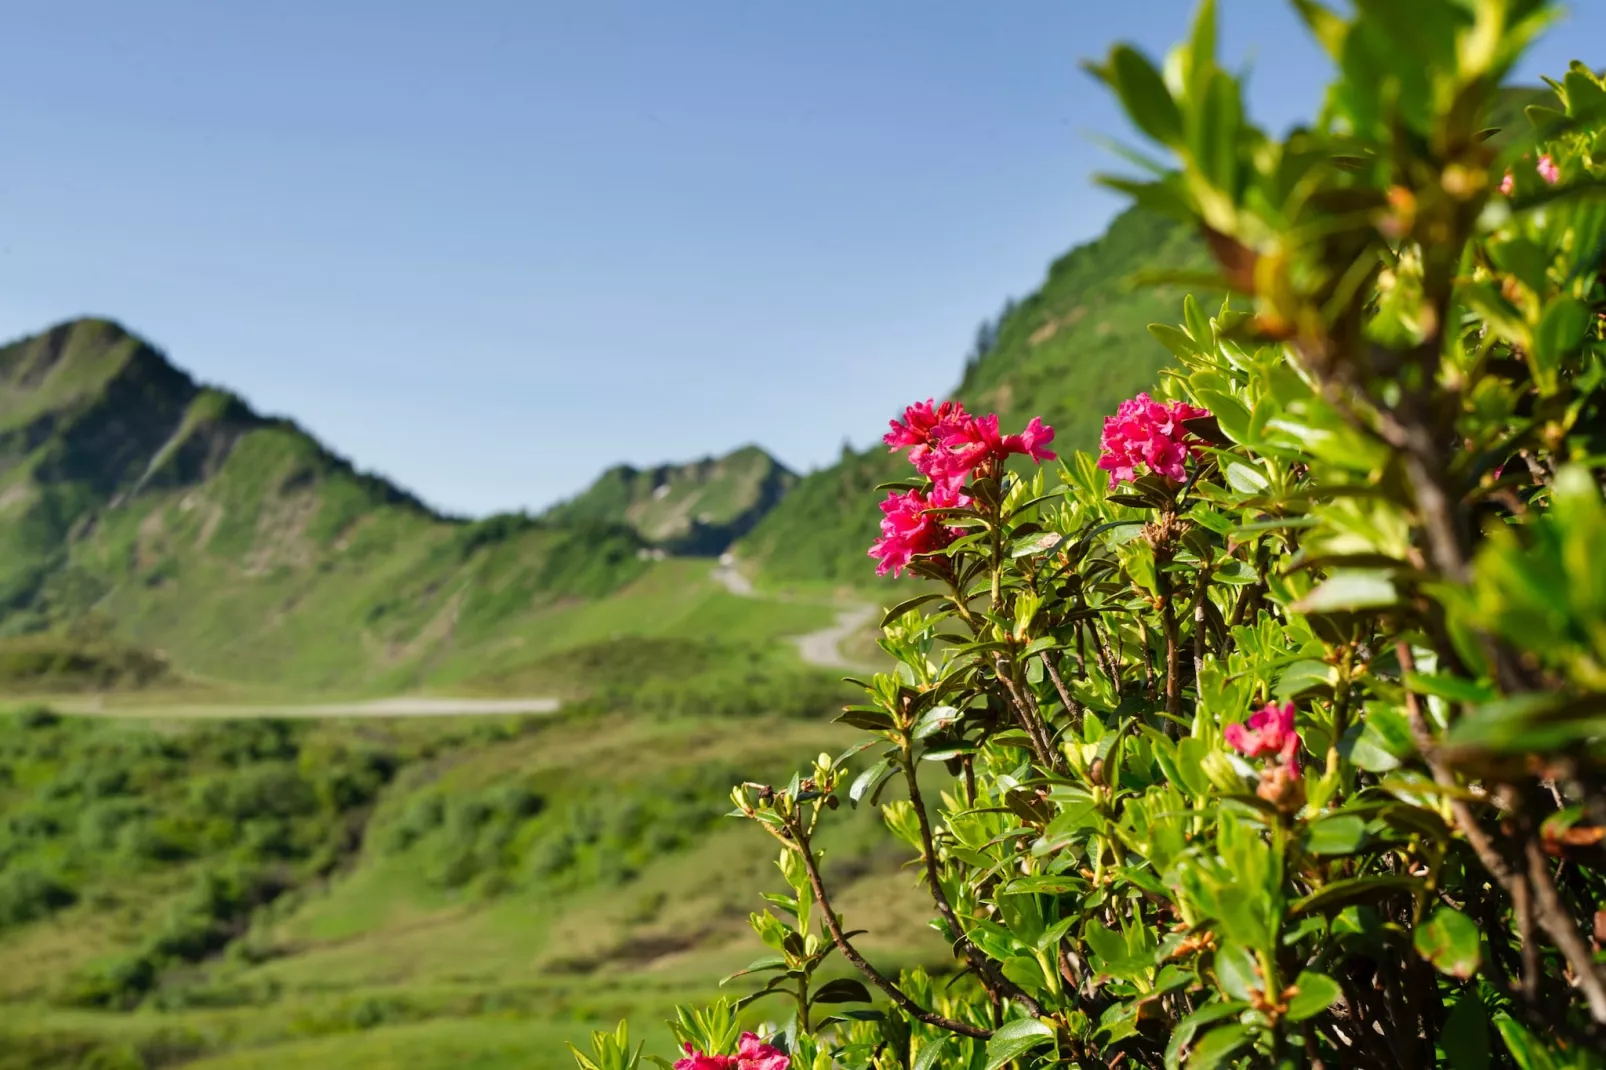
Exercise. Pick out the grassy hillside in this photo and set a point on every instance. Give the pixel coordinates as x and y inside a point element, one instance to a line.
<point>388,893</point>
<point>695,508</point>
<point>1069,352</point>
<point>236,546</point>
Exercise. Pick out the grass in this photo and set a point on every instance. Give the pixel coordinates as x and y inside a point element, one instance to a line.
<point>493,887</point>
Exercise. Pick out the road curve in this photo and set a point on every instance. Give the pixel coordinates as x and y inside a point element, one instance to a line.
<point>822,648</point>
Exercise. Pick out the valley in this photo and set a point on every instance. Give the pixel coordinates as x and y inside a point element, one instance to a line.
<point>299,772</point>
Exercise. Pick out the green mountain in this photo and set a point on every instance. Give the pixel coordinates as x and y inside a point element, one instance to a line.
<point>695,508</point>
<point>1070,353</point>
<point>133,499</point>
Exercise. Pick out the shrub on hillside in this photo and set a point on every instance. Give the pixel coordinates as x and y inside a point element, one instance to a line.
<point>1274,730</point>
<point>27,894</point>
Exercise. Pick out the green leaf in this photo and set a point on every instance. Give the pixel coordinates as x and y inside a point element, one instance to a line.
<point>1350,589</point>
<point>842,990</point>
<point>870,781</point>
<point>1451,941</point>
<point>935,720</point>
<point>1235,970</point>
<point>1189,1027</point>
<point>1144,95</point>
<point>930,1052</point>
<point>1218,1045</point>
<point>1531,721</point>
<point>775,962</point>
<point>1342,834</point>
<point>1244,479</point>
<point>1465,1038</point>
<point>1303,676</point>
<point>1528,1052</point>
<point>1036,544</point>
<point>907,604</point>
<point>1341,893</point>
<point>1325,25</point>
<point>1014,1039</point>
<point>1381,742</point>
<point>1230,414</point>
<point>1561,330</point>
<point>1317,991</point>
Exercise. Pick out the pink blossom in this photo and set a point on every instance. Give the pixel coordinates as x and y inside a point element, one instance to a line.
<point>907,529</point>
<point>696,1060</point>
<point>1146,432</point>
<point>946,443</point>
<point>1033,441</point>
<point>1270,733</point>
<point>1547,170</point>
<point>752,1054</point>
<point>924,426</point>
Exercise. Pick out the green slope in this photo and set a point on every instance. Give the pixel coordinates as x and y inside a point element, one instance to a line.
<point>694,508</point>
<point>1069,353</point>
<point>240,547</point>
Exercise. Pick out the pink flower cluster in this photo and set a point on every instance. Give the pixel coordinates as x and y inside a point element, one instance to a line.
<point>1547,170</point>
<point>946,444</point>
<point>907,529</point>
<point>1146,432</point>
<point>752,1054</point>
<point>1269,733</point>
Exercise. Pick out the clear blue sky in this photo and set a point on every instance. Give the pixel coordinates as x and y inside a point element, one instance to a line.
<point>488,248</point>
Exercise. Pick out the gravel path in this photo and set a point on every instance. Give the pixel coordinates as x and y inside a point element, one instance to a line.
<point>400,706</point>
<point>822,648</point>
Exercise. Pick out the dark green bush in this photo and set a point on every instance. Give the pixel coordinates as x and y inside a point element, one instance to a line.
<point>28,894</point>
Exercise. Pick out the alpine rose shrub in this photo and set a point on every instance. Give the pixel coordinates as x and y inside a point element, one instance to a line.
<point>1277,746</point>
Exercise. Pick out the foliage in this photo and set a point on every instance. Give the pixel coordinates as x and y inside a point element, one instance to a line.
<point>1274,737</point>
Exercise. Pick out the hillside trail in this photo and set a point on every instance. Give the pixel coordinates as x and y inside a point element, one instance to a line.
<point>821,648</point>
<point>396,706</point>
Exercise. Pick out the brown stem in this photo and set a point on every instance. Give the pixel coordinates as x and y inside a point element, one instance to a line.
<point>991,977</point>
<point>1552,914</point>
<point>1548,909</point>
<point>1024,714</point>
<point>1072,707</point>
<point>1199,597</point>
<point>1173,640</point>
<point>873,975</point>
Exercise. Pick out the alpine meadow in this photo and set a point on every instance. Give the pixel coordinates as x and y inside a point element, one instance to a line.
<point>1215,678</point>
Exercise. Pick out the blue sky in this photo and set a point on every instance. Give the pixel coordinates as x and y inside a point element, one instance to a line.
<point>488,248</point>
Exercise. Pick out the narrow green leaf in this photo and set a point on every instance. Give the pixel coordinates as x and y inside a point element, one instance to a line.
<point>842,990</point>
<point>1014,1039</point>
<point>907,604</point>
<point>1317,991</point>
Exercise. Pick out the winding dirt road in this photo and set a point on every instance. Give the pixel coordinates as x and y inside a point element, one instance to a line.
<point>822,648</point>
<point>400,706</point>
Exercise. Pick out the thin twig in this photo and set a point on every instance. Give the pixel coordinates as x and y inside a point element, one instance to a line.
<point>873,975</point>
<point>991,977</point>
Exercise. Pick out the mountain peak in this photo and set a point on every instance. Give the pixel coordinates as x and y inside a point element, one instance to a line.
<point>696,507</point>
